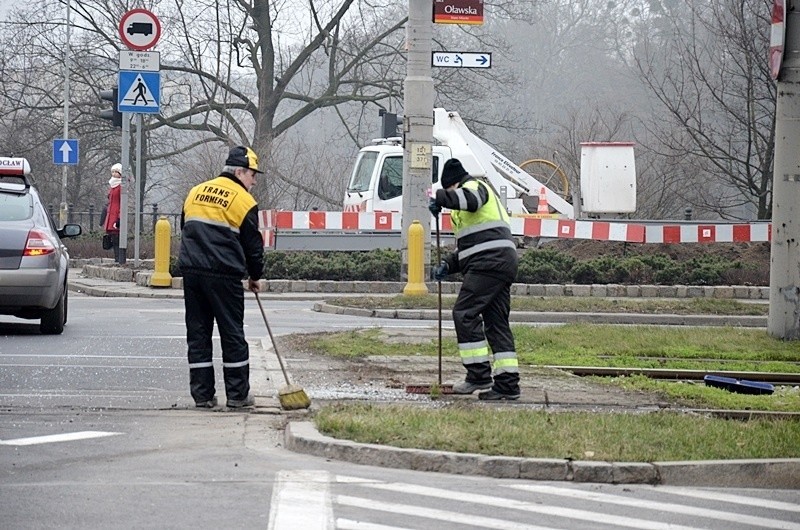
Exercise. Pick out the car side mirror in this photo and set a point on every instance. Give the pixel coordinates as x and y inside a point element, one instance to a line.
<point>70,230</point>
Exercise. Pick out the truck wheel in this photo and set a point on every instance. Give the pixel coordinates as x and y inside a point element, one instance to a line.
<point>52,322</point>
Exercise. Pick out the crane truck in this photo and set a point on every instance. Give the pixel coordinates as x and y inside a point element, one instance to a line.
<point>376,183</point>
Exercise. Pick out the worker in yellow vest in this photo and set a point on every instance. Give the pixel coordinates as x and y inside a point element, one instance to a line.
<point>486,255</point>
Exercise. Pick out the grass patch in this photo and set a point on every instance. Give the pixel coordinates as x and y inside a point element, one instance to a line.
<point>695,306</point>
<point>707,349</point>
<point>652,437</point>
<point>712,349</point>
<point>697,395</point>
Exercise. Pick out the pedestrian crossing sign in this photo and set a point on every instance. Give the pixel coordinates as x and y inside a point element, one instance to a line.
<point>139,91</point>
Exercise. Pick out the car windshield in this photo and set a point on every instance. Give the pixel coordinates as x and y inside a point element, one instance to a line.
<point>15,207</point>
<point>363,171</point>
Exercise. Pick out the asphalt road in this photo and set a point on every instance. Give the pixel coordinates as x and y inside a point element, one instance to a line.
<point>97,430</point>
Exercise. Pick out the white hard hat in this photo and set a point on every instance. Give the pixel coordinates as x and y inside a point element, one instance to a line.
<point>117,167</point>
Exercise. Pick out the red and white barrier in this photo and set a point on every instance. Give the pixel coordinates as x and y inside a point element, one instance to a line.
<point>272,220</point>
<point>709,233</point>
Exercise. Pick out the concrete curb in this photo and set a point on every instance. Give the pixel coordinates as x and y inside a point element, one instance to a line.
<point>560,317</point>
<point>92,269</point>
<point>303,437</point>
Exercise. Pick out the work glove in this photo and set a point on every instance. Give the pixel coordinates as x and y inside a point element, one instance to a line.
<point>434,208</point>
<point>440,272</point>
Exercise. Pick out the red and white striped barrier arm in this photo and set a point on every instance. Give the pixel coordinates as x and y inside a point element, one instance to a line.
<point>634,232</point>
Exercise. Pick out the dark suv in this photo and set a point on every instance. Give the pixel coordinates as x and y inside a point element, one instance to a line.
<point>33,261</point>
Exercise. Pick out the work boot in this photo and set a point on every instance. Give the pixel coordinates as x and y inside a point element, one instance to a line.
<point>210,404</point>
<point>249,401</point>
<point>466,387</point>
<point>493,395</point>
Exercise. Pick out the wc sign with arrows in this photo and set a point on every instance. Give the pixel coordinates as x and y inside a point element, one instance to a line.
<point>461,59</point>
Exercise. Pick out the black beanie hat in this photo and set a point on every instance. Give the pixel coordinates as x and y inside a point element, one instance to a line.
<point>452,173</point>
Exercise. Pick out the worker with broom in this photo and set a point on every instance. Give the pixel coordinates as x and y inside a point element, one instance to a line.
<point>486,255</point>
<point>220,245</point>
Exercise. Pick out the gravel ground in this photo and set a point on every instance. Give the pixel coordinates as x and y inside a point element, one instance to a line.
<point>378,378</point>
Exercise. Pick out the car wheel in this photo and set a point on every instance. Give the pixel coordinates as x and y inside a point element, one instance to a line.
<point>52,322</point>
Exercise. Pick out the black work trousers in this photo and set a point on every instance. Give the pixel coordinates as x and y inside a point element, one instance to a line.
<point>480,314</point>
<point>208,299</point>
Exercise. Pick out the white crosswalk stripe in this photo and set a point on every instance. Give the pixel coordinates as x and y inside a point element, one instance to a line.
<point>507,504</point>
<point>433,513</point>
<point>579,506</point>
<point>301,499</point>
<point>349,524</point>
<point>727,497</point>
<point>606,498</point>
<point>317,499</point>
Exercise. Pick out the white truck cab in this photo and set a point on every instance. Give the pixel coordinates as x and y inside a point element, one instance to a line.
<point>376,184</point>
<point>377,180</point>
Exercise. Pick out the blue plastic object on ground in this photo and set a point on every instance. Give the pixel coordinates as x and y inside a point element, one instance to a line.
<point>741,386</point>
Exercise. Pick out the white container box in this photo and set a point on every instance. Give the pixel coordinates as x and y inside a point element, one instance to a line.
<point>608,177</point>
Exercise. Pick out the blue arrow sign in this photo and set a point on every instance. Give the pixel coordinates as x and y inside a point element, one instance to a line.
<point>65,152</point>
<point>139,91</point>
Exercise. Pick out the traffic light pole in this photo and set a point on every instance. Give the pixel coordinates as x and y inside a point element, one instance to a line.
<point>784,278</point>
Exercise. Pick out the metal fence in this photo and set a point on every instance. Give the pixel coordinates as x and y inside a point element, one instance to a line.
<point>90,219</point>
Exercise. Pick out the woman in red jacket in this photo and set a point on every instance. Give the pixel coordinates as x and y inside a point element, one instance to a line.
<point>111,222</point>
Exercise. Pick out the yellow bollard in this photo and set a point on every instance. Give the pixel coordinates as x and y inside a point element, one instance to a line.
<point>416,265</point>
<point>161,276</point>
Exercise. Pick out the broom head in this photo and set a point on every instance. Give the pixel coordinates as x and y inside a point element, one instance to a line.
<point>293,397</point>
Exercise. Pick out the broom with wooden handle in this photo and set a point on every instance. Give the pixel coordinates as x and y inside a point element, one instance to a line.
<point>292,397</point>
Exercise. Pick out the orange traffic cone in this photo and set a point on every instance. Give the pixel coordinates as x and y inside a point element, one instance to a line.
<point>543,207</point>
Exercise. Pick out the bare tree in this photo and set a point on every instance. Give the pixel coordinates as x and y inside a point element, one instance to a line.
<point>232,72</point>
<point>706,66</point>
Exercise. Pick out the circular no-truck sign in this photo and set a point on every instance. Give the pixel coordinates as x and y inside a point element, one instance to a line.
<point>139,29</point>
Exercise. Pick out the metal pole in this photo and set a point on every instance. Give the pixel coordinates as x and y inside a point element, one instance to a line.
<point>137,206</point>
<point>123,200</point>
<point>62,216</point>
<point>417,124</point>
<point>784,278</point>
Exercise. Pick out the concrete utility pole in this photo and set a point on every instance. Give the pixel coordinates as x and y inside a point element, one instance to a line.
<point>784,277</point>
<point>417,124</point>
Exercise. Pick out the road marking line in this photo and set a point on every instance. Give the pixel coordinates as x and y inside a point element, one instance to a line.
<point>728,497</point>
<point>349,524</point>
<point>300,499</point>
<point>682,509</point>
<point>557,511</point>
<point>433,513</point>
<point>66,437</point>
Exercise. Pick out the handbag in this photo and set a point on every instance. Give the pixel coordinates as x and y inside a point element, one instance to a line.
<point>108,242</point>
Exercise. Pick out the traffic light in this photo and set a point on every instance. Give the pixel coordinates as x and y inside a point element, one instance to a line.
<point>111,114</point>
<point>389,123</point>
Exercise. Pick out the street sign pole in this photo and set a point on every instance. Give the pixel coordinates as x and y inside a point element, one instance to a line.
<point>63,212</point>
<point>138,181</point>
<point>784,274</point>
<point>139,30</point>
<point>123,199</point>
